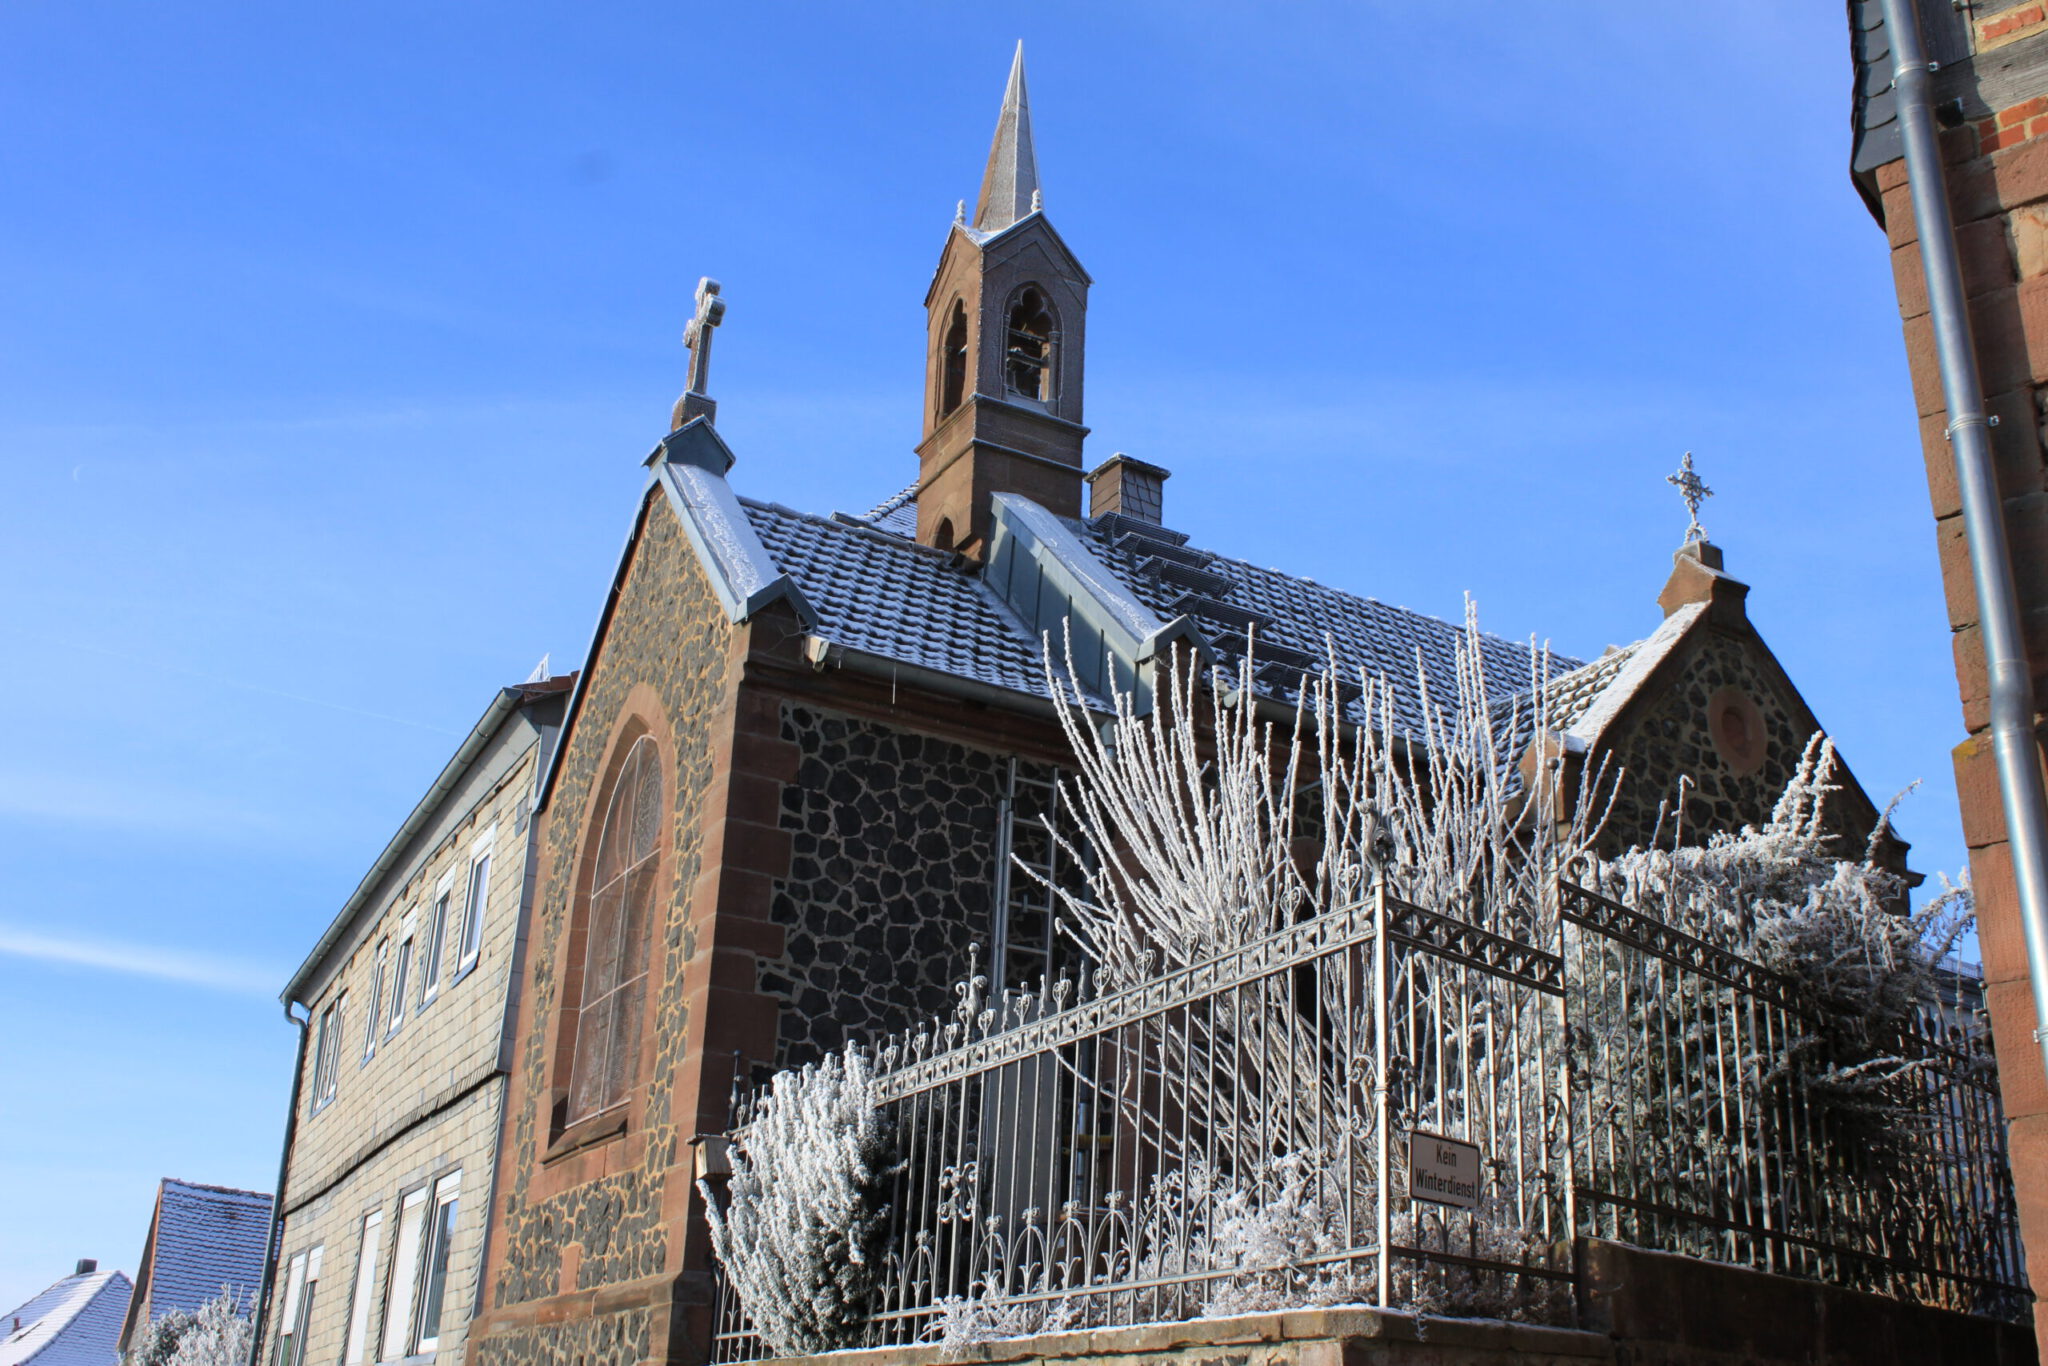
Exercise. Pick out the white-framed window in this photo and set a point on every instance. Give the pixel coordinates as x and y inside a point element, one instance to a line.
<point>434,1265</point>
<point>375,996</point>
<point>475,900</point>
<point>362,1295</point>
<point>401,975</point>
<point>400,1290</point>
<point>327,1051</point>
<point>301,1281</point>
<point>431,952</point>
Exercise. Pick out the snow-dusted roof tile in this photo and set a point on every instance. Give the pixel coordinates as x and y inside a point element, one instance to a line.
<point>884,594</point>
<point>76,1322</point>
<point>205,1237</point>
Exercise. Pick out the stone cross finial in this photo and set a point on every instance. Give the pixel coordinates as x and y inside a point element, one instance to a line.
<point>1694,491</point>
<point>696,402</point>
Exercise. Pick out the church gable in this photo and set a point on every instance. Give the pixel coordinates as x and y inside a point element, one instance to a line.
<point>1705,703</point>
<point>585,1184</point>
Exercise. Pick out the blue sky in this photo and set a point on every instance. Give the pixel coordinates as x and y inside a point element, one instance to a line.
<point>333,338</point>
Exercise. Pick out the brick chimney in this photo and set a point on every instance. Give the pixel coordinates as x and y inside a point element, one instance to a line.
<point>1129,487</point>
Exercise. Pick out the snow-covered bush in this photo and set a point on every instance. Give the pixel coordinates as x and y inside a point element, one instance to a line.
<point>1492,1232</point>
<point>800,1235</point>
<point>215,1335</point>
<point>1861,967</point>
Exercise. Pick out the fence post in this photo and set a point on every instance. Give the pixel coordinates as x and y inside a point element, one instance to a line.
<point>1565,1077</point>
<point>1382,1062</point>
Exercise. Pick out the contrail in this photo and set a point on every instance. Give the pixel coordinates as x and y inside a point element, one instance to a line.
<point>142,960</point>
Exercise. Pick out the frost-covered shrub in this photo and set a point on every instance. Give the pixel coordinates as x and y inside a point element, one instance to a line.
<point>1492,1232</point>
<point>800,1235</point>
<point>216,1335</point>
<point>1272,1229</point>
<point>1862,967</point>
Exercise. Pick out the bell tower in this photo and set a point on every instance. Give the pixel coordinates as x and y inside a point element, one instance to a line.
<point>1006,318</point>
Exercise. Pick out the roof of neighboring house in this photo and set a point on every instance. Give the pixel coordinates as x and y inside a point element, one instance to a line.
<point>76,1322</point>
<point>200,1239</point>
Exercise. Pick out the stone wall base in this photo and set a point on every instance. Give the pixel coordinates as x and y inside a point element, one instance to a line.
<point>1639,1309</point>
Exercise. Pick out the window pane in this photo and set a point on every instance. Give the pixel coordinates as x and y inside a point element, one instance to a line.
<point>364,1294</point>
<point>437,934</point>
<point>473,917</point>
<point>586,1093</point>
<point>625,1042</point>
<point>601,953</point>
<point>443,1233</point>
<point>399,977</point>
<point>405,1266</point>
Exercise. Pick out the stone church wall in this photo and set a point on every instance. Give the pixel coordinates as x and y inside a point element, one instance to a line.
<point>891,879</point>
<point>1674,737</point>
<point>597,1218</point>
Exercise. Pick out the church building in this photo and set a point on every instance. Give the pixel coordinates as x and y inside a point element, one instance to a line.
<point>808,753</point>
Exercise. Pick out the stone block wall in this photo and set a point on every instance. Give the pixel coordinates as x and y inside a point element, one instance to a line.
<point>892,872</point>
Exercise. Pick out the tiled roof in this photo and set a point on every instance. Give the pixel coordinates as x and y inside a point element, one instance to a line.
<point>76,1322</point>
<point>885,594</point>
<point>1289,623</point>
<point>204,1237</point>
<point>897,514</point>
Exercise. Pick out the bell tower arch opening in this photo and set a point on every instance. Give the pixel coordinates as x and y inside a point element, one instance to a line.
<point>1005,318</point>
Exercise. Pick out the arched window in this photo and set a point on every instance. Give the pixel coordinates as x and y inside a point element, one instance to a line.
<point>953,361</point>
<point>1028,362</point>
<point>943,537</point>
<point>616,921</point>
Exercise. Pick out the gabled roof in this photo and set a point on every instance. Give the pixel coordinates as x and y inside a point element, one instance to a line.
<point>200,1239</point>
<point>76,1322</point>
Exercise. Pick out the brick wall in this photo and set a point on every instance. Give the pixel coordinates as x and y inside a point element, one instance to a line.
<point>1998,185</point>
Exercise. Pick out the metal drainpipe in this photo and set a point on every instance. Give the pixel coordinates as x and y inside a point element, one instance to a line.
<point>1998,610</point>
<point>284,1158</point>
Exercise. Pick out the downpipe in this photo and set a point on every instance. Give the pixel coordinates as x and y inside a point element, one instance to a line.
<point>2012,690</point>
<point>284,1159</point>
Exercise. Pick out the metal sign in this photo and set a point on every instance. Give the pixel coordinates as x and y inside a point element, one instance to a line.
<point>1442,1170</point>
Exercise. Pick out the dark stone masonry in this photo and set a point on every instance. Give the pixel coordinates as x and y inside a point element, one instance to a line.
<point>617,1220</point>
<point>1673,739</point>
<point>891,878</point>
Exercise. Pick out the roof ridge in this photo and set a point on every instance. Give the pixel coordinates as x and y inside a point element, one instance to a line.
<point>218,1190</point>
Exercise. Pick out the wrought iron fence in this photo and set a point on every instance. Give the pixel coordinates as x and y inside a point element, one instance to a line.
<point>1388,1105</point>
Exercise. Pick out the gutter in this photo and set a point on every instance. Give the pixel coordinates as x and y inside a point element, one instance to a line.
<point>2013,741</point>
<point>494,716</point>
<point>284,1157</point>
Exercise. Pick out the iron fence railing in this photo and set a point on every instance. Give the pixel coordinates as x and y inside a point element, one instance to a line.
<point>1388,1105</point>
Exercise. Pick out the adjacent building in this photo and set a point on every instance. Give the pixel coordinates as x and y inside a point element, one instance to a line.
<point>406,1000</point>
<point>202,1240</point>
<point>1991,93</point>
<point>76,1322</point>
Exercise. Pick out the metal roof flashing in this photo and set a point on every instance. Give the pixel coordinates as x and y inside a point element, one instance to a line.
<point>1041,571</point>
<point>742,574</point>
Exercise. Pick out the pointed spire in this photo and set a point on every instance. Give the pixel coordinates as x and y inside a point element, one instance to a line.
<point>1009,188</point>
